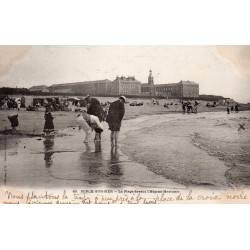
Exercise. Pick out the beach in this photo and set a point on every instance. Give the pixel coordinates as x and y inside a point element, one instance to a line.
<point>158,148</point>
<point>205,150</point>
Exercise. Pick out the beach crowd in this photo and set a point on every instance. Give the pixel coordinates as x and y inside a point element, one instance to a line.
<point>91,120</point>
<point>93,115</point>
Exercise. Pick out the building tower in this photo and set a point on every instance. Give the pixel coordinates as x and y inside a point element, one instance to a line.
<point>150,79</point>
<point>151,83</point>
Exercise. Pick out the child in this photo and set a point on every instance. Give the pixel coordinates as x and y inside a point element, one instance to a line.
<point>49,125</point>
<point>14,121</point>
<point>82,123</point>
<point>94,123</point>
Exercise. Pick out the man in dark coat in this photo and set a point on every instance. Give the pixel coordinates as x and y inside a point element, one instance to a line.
<point>94,107</point>
<point>114,118</point>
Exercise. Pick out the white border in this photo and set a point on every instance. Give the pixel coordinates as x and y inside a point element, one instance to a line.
<point>124,22</point>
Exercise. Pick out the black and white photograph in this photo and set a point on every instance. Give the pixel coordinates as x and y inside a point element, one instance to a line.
<point>125,119</point>
<point>124,124</point>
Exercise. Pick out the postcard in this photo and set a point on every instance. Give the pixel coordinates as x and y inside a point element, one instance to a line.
<point>124,124</point>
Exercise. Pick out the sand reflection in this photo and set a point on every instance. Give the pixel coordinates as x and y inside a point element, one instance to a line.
<point>48,151</point>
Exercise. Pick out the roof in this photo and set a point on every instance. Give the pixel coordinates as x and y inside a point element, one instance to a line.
<point>129,78</point>
<point>167,85</point>
<point>188,82</point>
<point>171,84</point>
<point>79,83</point>
<point>38,87</point>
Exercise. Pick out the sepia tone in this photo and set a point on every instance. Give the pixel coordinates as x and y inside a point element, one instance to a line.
<point>184,136</point>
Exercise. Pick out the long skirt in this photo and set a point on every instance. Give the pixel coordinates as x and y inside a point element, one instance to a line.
<point>48,126</point>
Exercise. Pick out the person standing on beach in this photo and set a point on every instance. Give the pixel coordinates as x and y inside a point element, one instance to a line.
<point>18,104</point>
<point>49,125</point>
<point>232,108</point>
<point>236,107</point>
<point>114,118</point>
<point>94,107</point>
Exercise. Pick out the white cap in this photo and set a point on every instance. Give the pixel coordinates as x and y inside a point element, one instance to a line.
<point>123,97</point>
<point>87,97</point>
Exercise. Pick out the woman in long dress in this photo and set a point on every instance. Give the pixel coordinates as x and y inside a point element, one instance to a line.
<point>49,125</point>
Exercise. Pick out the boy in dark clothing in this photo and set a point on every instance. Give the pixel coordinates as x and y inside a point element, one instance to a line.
<point>114,118</point>
<point>94,107</point>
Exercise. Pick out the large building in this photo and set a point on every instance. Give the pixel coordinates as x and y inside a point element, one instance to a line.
<point>125,86</point>
<point>120,86</point>
<point>100,87</point>
<point>182,89</point>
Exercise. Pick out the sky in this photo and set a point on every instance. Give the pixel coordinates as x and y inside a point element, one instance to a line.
<point>219,70</point>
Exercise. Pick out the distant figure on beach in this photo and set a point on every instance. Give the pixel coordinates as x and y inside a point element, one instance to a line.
<point>184,107</point>
<point>14,121</point>
<point>166,105</point>
<point>228,110</point>
<point>195,109</point>
<point>189,107</point>
<point>4,105</point>
<point>18,104</point>
<point>94,107</point>
<point>94,123</point>
<point>236,107</point>
<point>49,125</point>
<point>23,102</point>
<point>232,108</point>
<point>114,118</point>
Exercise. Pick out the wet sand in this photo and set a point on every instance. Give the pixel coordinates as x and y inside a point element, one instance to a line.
<point>165,151</point>
<point>64,161</point>
<point>203,150</point>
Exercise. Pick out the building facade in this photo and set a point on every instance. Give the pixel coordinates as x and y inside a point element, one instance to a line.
<point>120,86</point>
<point>100,87</point>
<point>126,86</point>
<point>182,89</point>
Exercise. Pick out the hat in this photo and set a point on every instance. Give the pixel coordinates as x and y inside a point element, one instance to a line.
<point>123,97</point>
<point>87,97</point>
